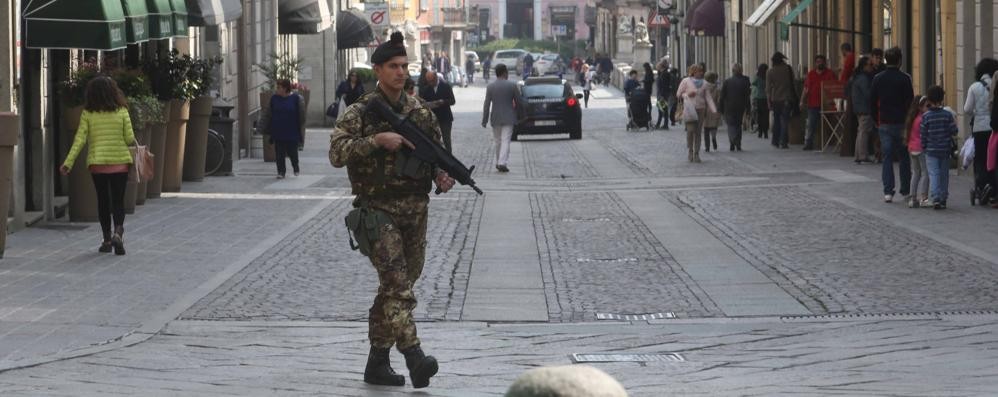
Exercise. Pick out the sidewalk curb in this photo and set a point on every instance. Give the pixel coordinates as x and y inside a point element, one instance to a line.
<point>158,321</point>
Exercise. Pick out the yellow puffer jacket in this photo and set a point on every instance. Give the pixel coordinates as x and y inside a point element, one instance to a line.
<point>107,135</point>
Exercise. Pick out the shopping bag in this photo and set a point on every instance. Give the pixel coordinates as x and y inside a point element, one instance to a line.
<point>143,163</point>
<point>689,112</point>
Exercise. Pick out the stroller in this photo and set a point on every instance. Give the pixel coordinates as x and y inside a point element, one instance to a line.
<point>639,110</point>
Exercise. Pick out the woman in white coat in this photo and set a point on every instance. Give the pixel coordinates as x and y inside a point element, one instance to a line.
<point>978,107</point>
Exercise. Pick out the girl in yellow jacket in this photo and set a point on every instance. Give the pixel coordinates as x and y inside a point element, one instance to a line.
<point>107,130</point>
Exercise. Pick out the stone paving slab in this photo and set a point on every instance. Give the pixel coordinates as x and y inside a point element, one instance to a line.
<point>760,358</point>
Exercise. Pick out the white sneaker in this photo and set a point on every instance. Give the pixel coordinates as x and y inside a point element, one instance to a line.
<point>888,198</point>
<point>926,203</point>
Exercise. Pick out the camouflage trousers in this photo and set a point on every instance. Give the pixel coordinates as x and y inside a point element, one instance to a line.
<point>398,258</point>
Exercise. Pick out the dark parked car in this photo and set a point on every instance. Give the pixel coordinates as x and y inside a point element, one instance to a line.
<point>549,107</point>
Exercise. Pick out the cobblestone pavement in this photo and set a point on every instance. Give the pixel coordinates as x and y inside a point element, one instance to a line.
<point>760,357</point>
<point>314,275</point>
<point>598,257</point>
<point>836,259</point>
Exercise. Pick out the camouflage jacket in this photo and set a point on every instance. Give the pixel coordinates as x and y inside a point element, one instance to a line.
<point>372,170</point>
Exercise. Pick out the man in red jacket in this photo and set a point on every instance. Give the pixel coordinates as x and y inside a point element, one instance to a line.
<point>812,96</point>
<point>848,62</point>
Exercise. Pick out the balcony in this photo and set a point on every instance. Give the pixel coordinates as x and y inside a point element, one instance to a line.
<point>456,18</point>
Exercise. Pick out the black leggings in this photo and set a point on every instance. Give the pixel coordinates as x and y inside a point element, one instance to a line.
<point>110,200</point>
<point>586,95</point>
<point>286,149</point>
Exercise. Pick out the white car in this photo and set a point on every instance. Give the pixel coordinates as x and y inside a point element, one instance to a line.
<point>508,58</point>
<point>548,64</point>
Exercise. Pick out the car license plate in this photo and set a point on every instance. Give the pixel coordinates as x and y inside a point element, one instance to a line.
<point>545,122</point>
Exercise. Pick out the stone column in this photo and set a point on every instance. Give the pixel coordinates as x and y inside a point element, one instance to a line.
<point>625,48</point>
<point>538,11</point>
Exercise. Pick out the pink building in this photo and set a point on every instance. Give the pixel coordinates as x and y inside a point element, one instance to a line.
<point>535,19</point>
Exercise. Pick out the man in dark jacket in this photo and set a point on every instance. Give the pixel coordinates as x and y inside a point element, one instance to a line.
<point>439,96</point>
<point>736,93</point>
<point>890,97</point>
<point>665,89</point>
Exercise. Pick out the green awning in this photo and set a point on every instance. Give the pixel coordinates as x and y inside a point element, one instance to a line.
<point>179,17</point>
<point>136,21</point>
<point>791,17</point>
<point>213,12</point>
<point>160,19</point>
<point>87,24</point>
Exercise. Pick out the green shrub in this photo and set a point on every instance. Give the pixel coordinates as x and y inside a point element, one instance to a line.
<point>365,75</point>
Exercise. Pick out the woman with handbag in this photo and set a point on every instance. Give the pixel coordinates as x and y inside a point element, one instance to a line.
<point>696,102</point>
<point>106,129</point>
<point>284,121</point>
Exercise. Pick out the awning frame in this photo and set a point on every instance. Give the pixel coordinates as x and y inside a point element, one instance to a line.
<point>787,21</point>
<point>196,16</point>
<point>117,36</point>
<point>764,12</point>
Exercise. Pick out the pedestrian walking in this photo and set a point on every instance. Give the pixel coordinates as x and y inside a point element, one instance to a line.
<point>734,102</point>
<point>500,109</point>
<point>811,98</point>
<point>469,69</point>
<point>439,96</point>
<point>891,95</point>
<point>528,65</point>
<point>696,101</point>
<point>350,89</point>
<point>648,80</point>
<point>106,129</point>
<point>442,64</point>
<point>848,62</point>
<point>860,87</point>
<point>486,68</point>
<point>713,117</point>
<point>978,106</point>
<point>588,75</point>
<point>664,90</point>
<point>394,211</point>
<point>284,122</point>
<point>938,128</point>
<point>919,169</point>
<point>782,98</point>
<point>759,101</point>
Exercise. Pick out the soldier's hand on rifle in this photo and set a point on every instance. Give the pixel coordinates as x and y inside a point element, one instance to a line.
<point>444,181</point>
<point>391,141</point>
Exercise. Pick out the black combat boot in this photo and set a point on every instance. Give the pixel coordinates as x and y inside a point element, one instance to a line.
<point>379,369</point>
<point>421,366</point>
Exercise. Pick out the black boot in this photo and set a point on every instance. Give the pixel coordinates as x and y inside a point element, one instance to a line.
<point>421,366</point>
<point>379,369</point>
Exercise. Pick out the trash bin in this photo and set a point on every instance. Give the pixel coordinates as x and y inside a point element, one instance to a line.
<point>221,123</point>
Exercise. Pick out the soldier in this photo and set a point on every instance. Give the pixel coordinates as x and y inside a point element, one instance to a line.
<point>395,200</point>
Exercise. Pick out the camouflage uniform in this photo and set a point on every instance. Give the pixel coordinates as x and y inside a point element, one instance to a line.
<point>376,181</point>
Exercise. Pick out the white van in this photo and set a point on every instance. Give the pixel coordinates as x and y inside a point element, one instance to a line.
<point>508,58</point>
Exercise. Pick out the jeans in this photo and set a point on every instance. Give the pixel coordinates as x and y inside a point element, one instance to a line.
<point>781,124</point>
<point>110,200</point>
<point>919,176</point>
<point>891,145</point>
<point>813,123</point>
<point>502,134</point>
<point>286,149</point>
<point>938,164</point>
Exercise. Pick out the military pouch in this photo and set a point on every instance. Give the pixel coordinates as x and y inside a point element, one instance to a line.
<point>364,225</point>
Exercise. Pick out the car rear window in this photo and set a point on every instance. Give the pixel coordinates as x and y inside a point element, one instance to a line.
<point>549,57</point>
<point>544,90</point>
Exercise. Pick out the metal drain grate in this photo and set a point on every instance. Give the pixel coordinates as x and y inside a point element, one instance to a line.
<point>889,316</point>
<point>635,317</point>
<point>606,260</point>
<point>585,220</point>
<point>626,358</point>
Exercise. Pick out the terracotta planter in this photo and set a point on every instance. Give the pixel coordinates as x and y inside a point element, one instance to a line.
<point>269,154</point>
<point>176,136</point>
<point>82,195</point>
<point>197,139</point>
<point>9,128</point>
<point>142,136</point>
<point>70,123</point>
<point>157,144</point>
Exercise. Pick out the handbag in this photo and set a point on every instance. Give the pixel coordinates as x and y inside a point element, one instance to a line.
<point>690,112</point>
<point>142,168</point>
<point>333,111</point>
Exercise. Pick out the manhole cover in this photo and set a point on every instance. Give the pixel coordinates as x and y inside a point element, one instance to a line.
<point>626,358</point>
<point>635,317</point>
<point>606,260</point>
<point>585,220</point>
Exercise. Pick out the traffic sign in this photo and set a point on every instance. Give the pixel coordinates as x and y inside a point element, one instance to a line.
<point>658,20</point>
<point>559,30</point>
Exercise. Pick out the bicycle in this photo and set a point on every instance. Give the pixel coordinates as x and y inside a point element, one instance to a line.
<point>214,152</point>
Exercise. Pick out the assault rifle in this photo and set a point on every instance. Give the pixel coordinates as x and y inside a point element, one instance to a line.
<point>427,150</point>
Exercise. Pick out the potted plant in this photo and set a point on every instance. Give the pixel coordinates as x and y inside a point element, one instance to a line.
<point>200,81</point>
<point>82,195</point>
<point>169,78</point>
<point>280,66</point>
